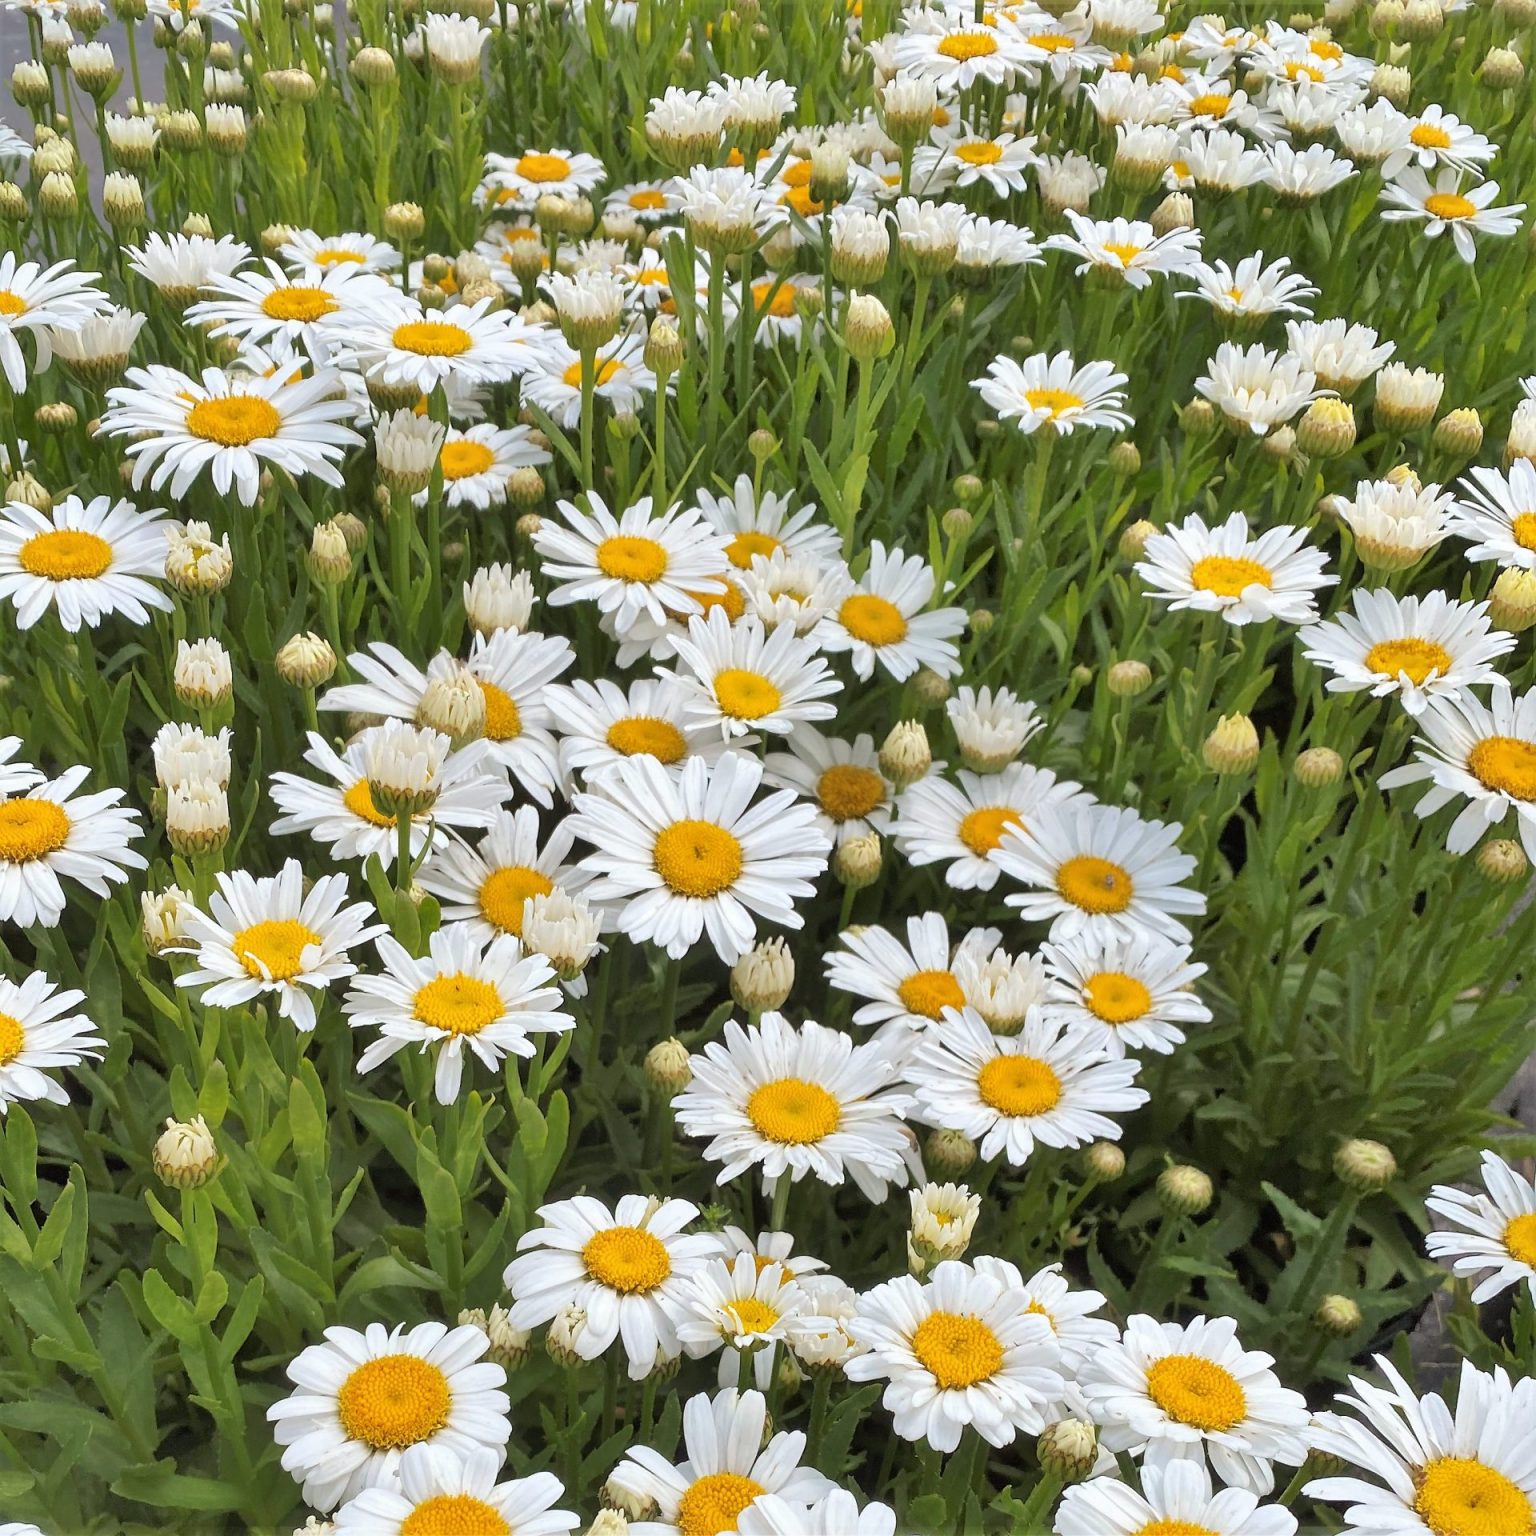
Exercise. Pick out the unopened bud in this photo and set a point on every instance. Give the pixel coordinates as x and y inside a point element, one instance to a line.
<point>185,1155</point>
<point>1364,1165</point>
<point>1459,432</point>
<point>868,330</point>
<point>1133,540</point>
<point>1233,746</point>
<point>1318,767</point>
<point>1125,679</point>
<point>1103,1160</point>
<point>857,862</point>
<point>667,1068</point>
<point>1327,430</point>
<point>948,1153</point>
<point>1184,1190</point>
<point>1337,1316</point>
<point>1068,1449</point>
<point>305,661</point>
<point>1501,860</point>
<point>762,979</point>
<point>905,755</point>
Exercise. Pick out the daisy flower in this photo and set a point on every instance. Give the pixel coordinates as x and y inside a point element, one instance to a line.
<point>883,620</point>
<point>1255,388</point>
<point>798,1101</point>
<point>1175,1497</point>
<point>1498,1229</point>
<point>956,52</point>
<point>1250,292</point>
<point>463,995</point>
<point>620,377</point>
<point>1177,1392</point>
<point>842,777</point>
<point>732,1462</point>
<point>268,935</point>
<point>40,300</point>
<point>83,559</point>
<point>990,726</point>
<point>837,1511</point>
<point>476,462</point>
<point>1001,987</point>
<point>1495,512</point>
<point>963,158</point>
<point>1299,176</point>
<point>1124,991</point>
<point>962,824</point>
<point>1100,869</point>
<point>230,424</point>
<point>1044,1087</point>
<point>304,248</point>
<point>637,563</point>
<point>794,591</point>
<point>645,201</point>
<point>1128,249</point>
<point>360,1400</point>
<point>963,1350</point>
<point>601,723</point>
<point>1415,647</point>
<point>438,1488</point>
<point>1443,205</point>
<point>1245,577</point>
<point>1341,355</point>
<point>693,854</point>
<point>38,1032</point>
<point>754,524</point>
<point>180,266</point>
<point>533,173</point>
<point>1438,138</point>
<point>743,1307</point>
<point>626,1271</point>
<point>47,833</point>
<point>408,347</point>
<point>1071,1316</point>
<point>1051,393</point>
<point>1395,522</point>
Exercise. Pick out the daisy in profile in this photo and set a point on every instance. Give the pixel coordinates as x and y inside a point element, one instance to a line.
<point>645,201</point>
<point>1340,355</point>
<point>1495,512</point>
<point>963,1350</point>
<point>1414,647</point>
<point>842,777</point>
<point>411,347</point>
<point>1497,1236</point>
<point>1442,205</point>
<point>1100,869</point>
<point>85,560</point>
<point>625,1271</point>
<point>599,724</point>
<point>477,460</point>
<point>1052,394</point>
<point>1175,1392</point>
<point>1175,1497</point>
<point>883,620</point>
<point>755,524</point>
<point>1438,138</point>
<point>1426,1466</point>
<point>1124,991</point>
<point>1245,577</point>
<point>955,52</point>
<point>639,562</point>
<point>1246,295</point>
<point>620,377</point>
<point>732,1462</point>
<point>794,591</point>
<point>1256,389</point>
<point>231,425</point>
<point>38,1032</point>
<point>437,1486</point>
<point>800,1101</point>
<point>270,936</point>
<point>962,824</point>
<point>991,726</point>
<point>1126,249</point>
<point>39,300</point>
<point>463,996</point>
<point>304,248</point>
<point>180,266</point>
<point>1000,986</point>
<point>47,833</point>
<point>361,1400</point>
<point>741,1308</point>
<point>1043,1087</point>
<point>694,854</point>
<point>530,175</point>
<point>836,1511</point>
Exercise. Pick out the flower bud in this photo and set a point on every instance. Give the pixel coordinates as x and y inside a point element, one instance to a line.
<point>948,1153</point>
<point>1318,767</point>
<point>1512,603</point>
<point>857,862</point>
<point>495,599</point>
<point>56,198</point>
<point>1501,861</point>
<point>1184,1190</point>
<point>1338,1316</point>
<point>161,914</point>
<point>202,676</point>
<point>1392,83</point>
<point>305,661</point>
<point>763,978</point>
<point>197,817</point>
<point>1327,430</point>
<point>1176,211</point>
<point>868,330</point>
<point>942,1219</point>
<point>1502,70</point>
<point>1233,746</point>
<point>1125,679</point>
<point>663,348</point>
<point>508,1346</point>
<point>185,1155</point>
<point>29,84</point>
<point>1364,1165</point>
<point>373,66</point>
<point>330,557</point>
<point>27,489</point>
<point>526,488</point>
<point>1197,418</point>
<point>1068,1449</point>
<point>667,1067</point>
<point>454,705</point>
<point>1104,1161</point>
<point>611,1522</point>
<point>563,928</point>
<point>569,1324</point>
<point>405,222</point>
<point>1459,432</point>
<point>905,755</point>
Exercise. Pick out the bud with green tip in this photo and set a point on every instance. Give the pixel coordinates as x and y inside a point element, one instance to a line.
<point>1184,1190</point>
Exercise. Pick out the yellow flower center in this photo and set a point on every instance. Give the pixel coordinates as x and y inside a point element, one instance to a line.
<point>1325,48</point>
<point>503,892</point>
<point>984,153</point>
<point>875,620</point>
<point>454,1514</point>
<point>234,420</point>
<point>298,303</point>
<point>1054,402</point>
<point>1210,105</point>
<point>745,695</point>
<point>1418,658</point>
<point>782,303</point>
<point>629,557</point>
<point>647,198</point>
<point>1019,1085</point>
<point>626,1259</point>
<point>961,46</point>
<point>1175,1528</point>
<point>13,1039</point>
<point>796,175</point>
<point>1504,763</point>
<point>457,1004</point>
<point>745,545</point>
<point>732,599</point>
<point>929,993</point>
<point>432,338</point>
<point>648,736</point>
<point>273,948</point>
<point>801,200</point>
<point>465,457</point>
<point>1095,885</point>
<point>543,167</point>
<point>503,720</point>
<point>11,303</point>
<point>31,829</point>
<point>393,1401</point>
<point>1523,527</point>
<point>749,1315</point>
<point>793,1112</point>
<point>697,858</point>
<point>1428,136</point>
<point>982,830</point>
<point>714,1503</point>
<point>846,791</point>
<point>1449,205</point>
<point>1123,252</point>
<point>1050,42</point>
<point>957,1350</point>
<point>1459,1496</point>
<point>646,277</point>
<point>1229,575</point>
<point>359,801</point>
<point>1520,1239</point>
<point>601,374</point>
<point>1193,1390</point>
<point>1115,997</point>
<point>336,258</point>
<point>1296,69</point>
<point>65,555</point>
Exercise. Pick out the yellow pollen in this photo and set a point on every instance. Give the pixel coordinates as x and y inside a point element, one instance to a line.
<point>65,555</point>
<point>982,830</point>
<point>629,557</point>
<point>745,545</point>
<point>601,374</point>
<point>846,791</point>
<point>627,1259</point>
<point>1503,763</point>
<point>457,1004</point>
<point>336,258</point>
<point>929,993</point>
<point>793,1112</point>
<point>503,721</point>
<point>648,277</point>
<point>1175,1528</point>
<point>957,1350</point>
<point>543,168</point>
<point>1520,1239</point>
<point>31,829</point>
<point>1095,885</point>
<point>432,338</point>
<point>1449,205</point>
<point>1054,402</point>
<point>749,1315</point>
<point>650,736</point>
<point>298,303</point>
<point>1297,69</point>
<point>647,198</point>
<point>1235,294</point>
<point>715,1503</point>
<point>962,46</point>
<point>1325,48</point>
<point>234,420</point>
<point>1210,105</point>
<point>1019,1085</point>
<point>454,1514</point>
<point>1427,136</point>
<point>1115,997</point>
<point>1418,658</point>
<point>1460,1496</point>
<point>1123,252</point>
<point>732,599</point>
<point>1171,72</point>
<point>1523,527</point>
<point>697,858</point>
<point>1196,1391</point>
<point>1228,575</point>
<point>359,801</point>
<point>1050,42</point>
<point>12,303</point>
<point>984,153</point>
<point>782,303</point>
<point>875,620</point>
<point>800,199</point>
<point>273,948</point>
<point>797,175</point>
<point>465,457</point>
<point>503,892</point>
<point>745,695</point>
<point>393,1401</point>
<point>13,1039</point>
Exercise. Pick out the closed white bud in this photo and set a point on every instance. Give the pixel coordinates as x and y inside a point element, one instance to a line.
<point>161,915</point>
<point>202,675</point>
<point>563,928</point>
<point>305,661</point>
<point>454,703</point>
<point>185,1155</point>
<point>197,817</point>
<point>194,563</point>
<point>762,979</point>
<point>905,755</point>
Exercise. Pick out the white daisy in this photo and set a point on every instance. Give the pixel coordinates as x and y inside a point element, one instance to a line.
<point>842,777</point>
<point>1300,175</point>
<point>40,300</point>
<point>883,620</point>
<point>1495,511</point>
<point>955,51</point>
<point>1443,205</point>
<point>1071,1314</point>
<point>991,726</point>
<point>15,776</point>
<point>476,462</point>
<point>1175,1497</point>
<point>600,724</point>
<point>645,201</point>
<point>837,1511</point>
<point>756,524</point>
<point>1255,388</point>
<point>1439,138</point>
<point>180,266</point>
<point>1000,986</point>
<point>1498,1229</point>
<point>535,172</point>
<point>37,1033</point>
<point>1341,355</point>
<point>1127,249</point>
<point>619,376</point>
<point>416,348</point>
<point>1053,394</point>
<point>304,248</point>
<point>796,591</point>
<point>960,157</point>
<point>1247,294</point>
